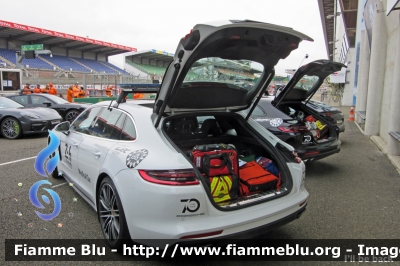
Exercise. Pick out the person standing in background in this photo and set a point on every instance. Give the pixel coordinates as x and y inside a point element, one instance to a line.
<point>109,91</point>
<point>26,89</point>
<point>37,89</point>
<point>52,90</point>
<point>76,90</point>
<point>45,89</point>
<point>70,94</point>
<point>81,93</point>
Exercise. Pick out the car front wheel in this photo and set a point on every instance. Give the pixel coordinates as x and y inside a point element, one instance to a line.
<point>11,128</point>
<point>71,115</point>
<point>111,214</point>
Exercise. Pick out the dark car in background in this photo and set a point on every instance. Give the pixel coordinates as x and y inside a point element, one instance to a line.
<point>324,109</point>
<point>289,116</point>
<point>68,111</point>
<point>16,120</point>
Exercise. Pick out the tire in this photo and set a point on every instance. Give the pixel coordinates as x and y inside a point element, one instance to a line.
<point>55,174</point>
<point>111,214</point>
<point>71,115</point>
<point>11,128</point>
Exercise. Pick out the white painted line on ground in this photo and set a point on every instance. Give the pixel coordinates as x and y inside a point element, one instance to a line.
<point>1,164</point>
<point>59,185</point>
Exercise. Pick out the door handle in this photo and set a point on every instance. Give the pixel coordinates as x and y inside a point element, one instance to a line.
<point>76,144</point>
<point>97,154</point>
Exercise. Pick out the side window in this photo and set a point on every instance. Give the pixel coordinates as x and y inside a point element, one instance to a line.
<point>36,99</point>
<point>129,131</point>
<point>116,132</point>
<point>84,120</point>
<point>21,99</point>
<point>258,111</point>
<point>105,123</point>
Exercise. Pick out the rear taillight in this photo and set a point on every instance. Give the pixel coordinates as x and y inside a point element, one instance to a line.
<point>184,177</point>
<point>326,113</point>
<point>294,129</point>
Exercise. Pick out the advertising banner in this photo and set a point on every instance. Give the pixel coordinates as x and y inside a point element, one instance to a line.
<point>13,25</point>
<point>339,77</point>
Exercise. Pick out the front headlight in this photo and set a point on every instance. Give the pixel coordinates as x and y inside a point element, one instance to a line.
<point>29,115</point>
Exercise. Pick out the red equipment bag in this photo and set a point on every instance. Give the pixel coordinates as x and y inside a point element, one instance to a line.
<point>199,151</point>
<point>256,178</point>
<point>219,163</point>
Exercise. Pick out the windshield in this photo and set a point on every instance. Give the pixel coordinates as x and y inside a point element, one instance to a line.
<point>7,103</point>
<point>307,82</point>
<point>242,73</point>
<point>56,99</point>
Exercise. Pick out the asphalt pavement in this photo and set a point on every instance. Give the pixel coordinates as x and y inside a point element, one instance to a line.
<point>353,195</point>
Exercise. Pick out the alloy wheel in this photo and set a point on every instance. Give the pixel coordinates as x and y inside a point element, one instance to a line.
<point>71,115</point>
<point>10,128</point>
<point>109,213</point>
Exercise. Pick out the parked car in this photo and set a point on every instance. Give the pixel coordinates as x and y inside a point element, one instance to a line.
<point>130,162</point>
<point>274,88</point>
<point>68,111</point>
<point>291,117</point>
<point>16,120</point>
<point>326,110</point>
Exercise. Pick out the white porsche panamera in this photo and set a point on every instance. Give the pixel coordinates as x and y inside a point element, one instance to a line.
<point>130,161</point>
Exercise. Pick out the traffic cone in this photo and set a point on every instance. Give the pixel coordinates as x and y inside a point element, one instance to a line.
<point>351,115</point>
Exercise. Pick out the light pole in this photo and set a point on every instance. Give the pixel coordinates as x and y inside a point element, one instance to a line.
<point>306,56</point>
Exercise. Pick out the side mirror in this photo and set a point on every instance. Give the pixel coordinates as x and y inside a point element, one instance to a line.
<point>47,103</point>
<point>63,127</point>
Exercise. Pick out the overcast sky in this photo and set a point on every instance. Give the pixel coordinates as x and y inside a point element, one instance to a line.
<point>160,24</point>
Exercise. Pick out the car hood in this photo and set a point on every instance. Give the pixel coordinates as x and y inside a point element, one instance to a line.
<point>227,40</point>
<point>318,70</point>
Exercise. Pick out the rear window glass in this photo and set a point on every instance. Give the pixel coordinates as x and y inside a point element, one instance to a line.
<point>242,73</point>
<point>307,82</point>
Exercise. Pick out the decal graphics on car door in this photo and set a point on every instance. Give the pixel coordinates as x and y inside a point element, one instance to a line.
<point>70,149</point>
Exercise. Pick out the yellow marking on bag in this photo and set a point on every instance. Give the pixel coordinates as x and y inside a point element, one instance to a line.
<point>319,125</point>
<point>220,188</point>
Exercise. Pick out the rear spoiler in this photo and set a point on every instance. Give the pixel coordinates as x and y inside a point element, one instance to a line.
<point>136,88</point>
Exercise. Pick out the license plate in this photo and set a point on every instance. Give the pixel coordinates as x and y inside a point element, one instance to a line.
<point>55,122</point>
<point>307,139</point>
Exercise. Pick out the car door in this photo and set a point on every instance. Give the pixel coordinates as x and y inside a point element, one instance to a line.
<point>69,146</point>
<point>38,101</point>
<point>104,133</point>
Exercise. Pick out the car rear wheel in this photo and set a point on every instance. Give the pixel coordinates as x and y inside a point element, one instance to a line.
<point>11,128</point>
<point>71,115</point>
<point>111,214</point>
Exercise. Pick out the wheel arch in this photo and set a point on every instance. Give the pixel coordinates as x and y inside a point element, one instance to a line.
<point>99,179</point>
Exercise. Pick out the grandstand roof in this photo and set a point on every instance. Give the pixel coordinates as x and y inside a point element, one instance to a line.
<point>49,38</point>
<point>152,55</point>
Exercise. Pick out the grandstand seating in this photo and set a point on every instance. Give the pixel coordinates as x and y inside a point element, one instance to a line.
<point>32,63</point>
<point>65,63</point>
<point>149,69</point>
<point>96,66</point>
<point>114,67</point>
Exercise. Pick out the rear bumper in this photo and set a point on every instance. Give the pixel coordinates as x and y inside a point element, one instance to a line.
<point>316,153</point>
